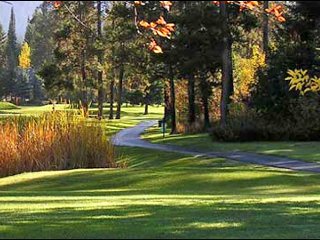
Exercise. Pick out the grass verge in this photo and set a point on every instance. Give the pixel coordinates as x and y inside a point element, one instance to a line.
<point>306,151</point>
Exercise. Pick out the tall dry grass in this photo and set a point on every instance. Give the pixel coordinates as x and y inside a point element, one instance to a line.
<point>53,141</point>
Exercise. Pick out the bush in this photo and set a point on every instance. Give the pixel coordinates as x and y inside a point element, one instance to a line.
<point>52,141</point>
<point>240,130</point>
<point>247,125</point>
<point>196,127</point>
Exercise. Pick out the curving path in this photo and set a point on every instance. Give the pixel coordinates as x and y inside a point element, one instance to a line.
<point>131,137</point>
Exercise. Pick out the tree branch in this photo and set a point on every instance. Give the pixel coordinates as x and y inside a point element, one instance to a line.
<point>77,19</point>
<point>6,2</point>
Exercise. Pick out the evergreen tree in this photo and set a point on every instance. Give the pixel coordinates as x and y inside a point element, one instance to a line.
<point>2,60</point>
<point>2,44</point>
<point>120,38</point>
<point>11,53</point>
<point>75,51</point>
<point>39,35</point>
<point>100,60</point>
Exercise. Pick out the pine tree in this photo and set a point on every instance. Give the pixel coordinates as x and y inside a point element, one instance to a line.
<point>227,76</point>
<point>2,43</point>
<point>2,59</point>
<point>120,38</point>
<point>75,51</point>
<point>100,60</point>
<point>265,27</point>
<point>11,53</point>
<point>39,35</point>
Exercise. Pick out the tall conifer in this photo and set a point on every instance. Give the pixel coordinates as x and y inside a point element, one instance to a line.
<point>11,54</point>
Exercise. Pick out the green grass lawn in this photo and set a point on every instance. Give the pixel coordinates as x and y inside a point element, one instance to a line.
<point>130,116</point>
<point>307,151</point>
<point>7,106</point>
<point>31,110</point>
<point>128,112</point>
<point>161,195</point>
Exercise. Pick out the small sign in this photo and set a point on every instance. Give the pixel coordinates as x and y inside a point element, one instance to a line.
<point>163,129</point>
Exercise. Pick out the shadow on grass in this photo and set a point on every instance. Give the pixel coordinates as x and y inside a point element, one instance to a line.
<point>161,195</point>
<point>153,172</point>
<point>149,218</point>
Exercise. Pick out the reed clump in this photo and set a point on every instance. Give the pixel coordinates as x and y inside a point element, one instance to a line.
<point>53,141</point>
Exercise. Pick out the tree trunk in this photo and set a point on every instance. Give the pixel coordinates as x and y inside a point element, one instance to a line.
<point>111,95</point>
<point>53,104</point>
<point>191,99</point>
<point>146,108</point>
<point>112,80</point>
<point>100,60</point>
<point>227,78</point>
<point>266,30</point>
<point>119,102</point>
<point>205,94</point>
<point>206,113</point>
<point>167,109</point>
<point>146,102</point>
<point>84,97</point>
<point>173,103</point>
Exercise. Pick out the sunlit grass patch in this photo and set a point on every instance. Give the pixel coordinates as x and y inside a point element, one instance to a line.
<point>7,106</point>
<point>214,225</point>
<point>33,110</point>
<point>161,200</point>
<point>307,151</point>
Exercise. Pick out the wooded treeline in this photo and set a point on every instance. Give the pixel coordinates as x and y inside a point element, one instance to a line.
<point>222,69</point>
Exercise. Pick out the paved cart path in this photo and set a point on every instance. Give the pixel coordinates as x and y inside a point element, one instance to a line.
<point>131,137</point>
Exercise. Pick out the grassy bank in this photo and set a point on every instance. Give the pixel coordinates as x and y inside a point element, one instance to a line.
<point>307,151</point>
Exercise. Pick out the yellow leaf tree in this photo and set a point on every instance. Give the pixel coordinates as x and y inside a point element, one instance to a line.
<point>24,57</point>
<point>245,73</point>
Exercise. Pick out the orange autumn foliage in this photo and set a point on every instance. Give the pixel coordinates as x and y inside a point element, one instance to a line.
<point>160,27</point>
<point>139,3</point>
<point>277,11</point>
<point>154,47</point>
<point>56,4</point>
<point>163,29</point>
<point>166,4</point>
<point>251,5</point>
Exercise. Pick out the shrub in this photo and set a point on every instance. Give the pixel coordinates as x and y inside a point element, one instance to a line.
<point>241,130</point>
<point>242,125</point>
<point>196,127</point>
<point>52,142</point>
<point>247,125</point>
